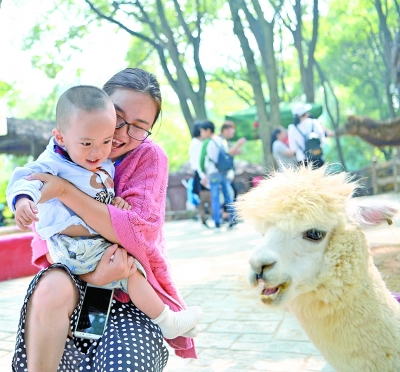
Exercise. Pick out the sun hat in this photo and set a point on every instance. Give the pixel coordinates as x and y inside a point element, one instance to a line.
<point>300,108</point>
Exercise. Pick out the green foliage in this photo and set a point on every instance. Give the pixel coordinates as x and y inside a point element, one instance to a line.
<point>47,107</point>
<point>172,134</point>
<point>358,153</point>
<point>10,94</point>
<point>348,50</point>
<point>354,63</point>
<point>141,54</point>
<point>60,38</point>
<point>7,165</point>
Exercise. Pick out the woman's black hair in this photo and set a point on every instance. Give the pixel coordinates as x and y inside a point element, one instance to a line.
<point>139,81</point>
<point>196,129</point>
<point>274,136</point>
<point>296,119</point>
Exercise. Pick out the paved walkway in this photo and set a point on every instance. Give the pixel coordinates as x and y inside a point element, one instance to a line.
<point>238,333</point>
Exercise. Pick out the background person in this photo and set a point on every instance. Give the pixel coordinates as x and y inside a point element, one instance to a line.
<point>228,131</point>
<point>218,179</point>
<point>55,296</point>
<point>281,152</point>
<point>200,180</point>
<point>301,129</point>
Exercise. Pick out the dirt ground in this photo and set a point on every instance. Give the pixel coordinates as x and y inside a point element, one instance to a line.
<point>387,259</point>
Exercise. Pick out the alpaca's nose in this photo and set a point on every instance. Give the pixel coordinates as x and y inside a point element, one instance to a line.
<point>260,266</point>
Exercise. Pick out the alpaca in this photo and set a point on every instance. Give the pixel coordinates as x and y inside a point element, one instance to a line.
<point>377,133</point>
<point>314,259</point>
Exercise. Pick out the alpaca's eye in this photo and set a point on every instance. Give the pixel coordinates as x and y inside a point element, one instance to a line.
<point>314,235</point>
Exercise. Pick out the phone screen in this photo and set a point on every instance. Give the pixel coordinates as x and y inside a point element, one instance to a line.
<point>94,312</point>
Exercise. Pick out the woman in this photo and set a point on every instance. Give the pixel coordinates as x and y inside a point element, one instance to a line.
<point>281,152</point>
<point>304,128</point>
<point>55,296</point>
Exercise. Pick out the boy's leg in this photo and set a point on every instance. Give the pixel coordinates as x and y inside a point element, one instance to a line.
<point>215,203</point>
<point>228,197</point>
<point>172,324</point>
<point>204,198</point>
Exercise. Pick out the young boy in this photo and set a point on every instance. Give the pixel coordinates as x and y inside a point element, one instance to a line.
<point>78,152</point>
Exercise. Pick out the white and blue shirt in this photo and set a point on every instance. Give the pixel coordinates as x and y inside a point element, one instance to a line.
<point>53,215</point>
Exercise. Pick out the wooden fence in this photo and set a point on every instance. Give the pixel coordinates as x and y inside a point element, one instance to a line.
<point>381,178</point>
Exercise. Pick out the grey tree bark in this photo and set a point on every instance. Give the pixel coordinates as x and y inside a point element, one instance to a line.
<point>265,127</point>
<point>305,49</point>
<point>163,40</point>
<point>263,32</point>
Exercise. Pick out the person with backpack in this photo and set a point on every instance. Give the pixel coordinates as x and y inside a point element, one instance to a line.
<point>306,136</point>
<point>215,162</point>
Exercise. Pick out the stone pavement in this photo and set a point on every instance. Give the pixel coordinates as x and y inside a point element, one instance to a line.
<point>238,333</point>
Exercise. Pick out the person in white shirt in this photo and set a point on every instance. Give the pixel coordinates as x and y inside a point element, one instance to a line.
<point>200,180</point>
<point>302,127</point>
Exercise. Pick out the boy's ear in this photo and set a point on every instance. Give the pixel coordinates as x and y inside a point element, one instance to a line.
<point>58,136</point>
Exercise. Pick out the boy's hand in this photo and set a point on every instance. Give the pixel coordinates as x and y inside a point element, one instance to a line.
<point>25,213</point>
<point>121,203</point>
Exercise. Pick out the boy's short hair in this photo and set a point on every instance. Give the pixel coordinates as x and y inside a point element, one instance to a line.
<point>227,125</point>
<point>208,125</point>
<point>83,97</point>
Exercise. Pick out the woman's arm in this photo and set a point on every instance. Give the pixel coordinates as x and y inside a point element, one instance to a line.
<point>93,212</point>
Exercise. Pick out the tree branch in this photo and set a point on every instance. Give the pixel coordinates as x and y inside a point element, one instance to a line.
<point>239,92</point>
<point>112,20</point>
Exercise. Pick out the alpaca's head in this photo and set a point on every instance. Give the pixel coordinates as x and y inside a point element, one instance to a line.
<point>296,212</point>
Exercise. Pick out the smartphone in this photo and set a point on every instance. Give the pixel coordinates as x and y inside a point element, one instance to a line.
<point>94,313</point>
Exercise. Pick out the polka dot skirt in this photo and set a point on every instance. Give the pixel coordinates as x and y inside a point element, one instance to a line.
<point>130,343</point>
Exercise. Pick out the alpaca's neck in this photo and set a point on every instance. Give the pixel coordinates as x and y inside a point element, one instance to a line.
<point>364,323</point>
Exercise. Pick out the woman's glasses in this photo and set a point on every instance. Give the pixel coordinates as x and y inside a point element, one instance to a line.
<point>134,131</point>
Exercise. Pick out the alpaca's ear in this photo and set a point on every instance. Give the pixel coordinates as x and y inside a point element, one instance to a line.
<point>374,214</point>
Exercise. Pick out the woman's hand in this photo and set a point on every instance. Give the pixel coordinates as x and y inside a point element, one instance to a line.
<point>115,265</point>
<point>53,186</point>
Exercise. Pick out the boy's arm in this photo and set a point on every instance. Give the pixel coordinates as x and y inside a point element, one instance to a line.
<point>25,213</point>
<point>121,203</point>
<point>235,149</point>
<point>18,186</point>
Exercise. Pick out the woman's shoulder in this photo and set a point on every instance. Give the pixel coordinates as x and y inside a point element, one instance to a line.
<point>148,157</point>
<point>148,149</point>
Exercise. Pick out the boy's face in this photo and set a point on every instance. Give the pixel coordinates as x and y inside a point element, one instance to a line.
<point>229,133</point>
<point>88,138</point>
<point>205,133</point>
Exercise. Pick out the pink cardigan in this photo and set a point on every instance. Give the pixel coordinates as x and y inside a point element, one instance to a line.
<point>141,179</point>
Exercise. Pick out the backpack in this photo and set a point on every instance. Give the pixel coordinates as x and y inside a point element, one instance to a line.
<point>312,145</point>
<point>224,161</point>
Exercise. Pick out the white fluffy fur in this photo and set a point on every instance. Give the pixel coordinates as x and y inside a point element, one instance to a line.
<point>330,285</point>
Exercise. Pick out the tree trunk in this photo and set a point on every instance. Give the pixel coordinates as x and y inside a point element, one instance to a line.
<point>387,41</point>
<point>192,101</point>
<point>263,32</point>
<point>334,120</point>
<point>306,66</point>
<point>265,128</point>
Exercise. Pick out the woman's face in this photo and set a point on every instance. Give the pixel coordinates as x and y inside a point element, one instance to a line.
<point>281,136</point>
<point>135,108</point>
